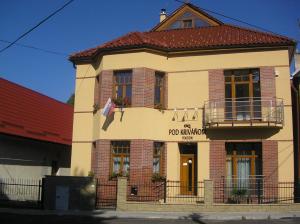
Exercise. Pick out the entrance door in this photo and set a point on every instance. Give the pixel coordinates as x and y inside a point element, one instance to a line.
<point>187,174</point>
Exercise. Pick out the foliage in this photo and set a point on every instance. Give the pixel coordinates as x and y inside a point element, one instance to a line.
<point>158,177</point>
<point>71,99</point>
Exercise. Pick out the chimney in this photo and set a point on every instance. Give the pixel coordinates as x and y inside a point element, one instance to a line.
<point>163,15</point>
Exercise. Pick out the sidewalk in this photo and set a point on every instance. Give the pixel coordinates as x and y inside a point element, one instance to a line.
<point>157,215</point>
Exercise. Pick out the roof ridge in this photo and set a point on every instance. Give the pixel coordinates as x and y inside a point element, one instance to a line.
<point>31,90</point>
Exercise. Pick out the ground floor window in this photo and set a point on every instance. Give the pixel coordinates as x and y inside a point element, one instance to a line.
<point>243,160</point>
<point>244,167</point>
<point>158,149</point>
<point>120,151</point>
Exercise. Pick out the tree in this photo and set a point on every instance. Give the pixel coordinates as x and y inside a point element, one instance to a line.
<point>70,101</point>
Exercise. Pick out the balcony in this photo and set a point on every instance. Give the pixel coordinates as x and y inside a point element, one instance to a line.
<point>244,112</point>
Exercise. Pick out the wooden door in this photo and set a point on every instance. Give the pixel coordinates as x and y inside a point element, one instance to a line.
<point>187,174</point>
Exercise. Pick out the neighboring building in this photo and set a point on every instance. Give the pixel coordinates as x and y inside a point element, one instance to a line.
<point>35,133</point>
<point>295,84</point>
<point>198,99</point>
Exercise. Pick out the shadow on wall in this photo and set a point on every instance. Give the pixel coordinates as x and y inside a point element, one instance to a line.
<point>240,133</point>
<point>108,121</point>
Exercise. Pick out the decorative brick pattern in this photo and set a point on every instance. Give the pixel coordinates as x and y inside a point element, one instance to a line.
<point>143,80</point>
<point>216,84</point>
<point>106,85</point>
<point>267,82</point>
<point>217,158</point>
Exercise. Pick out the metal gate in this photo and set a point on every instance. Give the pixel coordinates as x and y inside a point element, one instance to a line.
<point>21,192</point>
<point>106,194</point>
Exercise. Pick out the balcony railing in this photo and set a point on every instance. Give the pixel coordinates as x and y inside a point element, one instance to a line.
<point>244,112</point>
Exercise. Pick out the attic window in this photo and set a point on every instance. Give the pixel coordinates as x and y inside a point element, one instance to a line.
<point>188,23</point>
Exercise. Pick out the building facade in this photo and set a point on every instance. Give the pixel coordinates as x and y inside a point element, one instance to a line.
<point>35,134</point>
<point>195,99</point>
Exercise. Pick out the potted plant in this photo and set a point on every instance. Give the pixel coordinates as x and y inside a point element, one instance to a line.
<point>237,194</point>
<point>156,177</point>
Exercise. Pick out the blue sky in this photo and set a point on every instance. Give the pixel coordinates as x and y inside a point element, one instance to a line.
<point>88,23</point>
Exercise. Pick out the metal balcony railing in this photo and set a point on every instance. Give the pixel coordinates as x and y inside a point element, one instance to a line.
<point>263,111</point>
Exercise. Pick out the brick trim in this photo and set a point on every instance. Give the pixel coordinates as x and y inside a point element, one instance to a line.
<point>216,84</point>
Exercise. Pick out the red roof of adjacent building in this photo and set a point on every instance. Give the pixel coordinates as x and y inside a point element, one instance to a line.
<point>29,114</point>
<point>211,37</point>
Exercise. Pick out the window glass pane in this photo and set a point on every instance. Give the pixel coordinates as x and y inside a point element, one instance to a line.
<point>187,23</point>
<point>175,25</point>
<point>200,23</point>
<point>116,164</point>
<point>126,165</point>
<point>156,162</point>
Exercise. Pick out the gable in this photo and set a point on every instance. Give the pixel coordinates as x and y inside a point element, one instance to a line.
<point>187,16</point>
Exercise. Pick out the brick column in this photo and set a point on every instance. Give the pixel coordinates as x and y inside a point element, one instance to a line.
<point>101,160</point>
<point>106,85</point>
<point>216,84</point>
<point>270,168</point>
<point>97,91</point>
<point>141,160</point>
<point>217,159</point>
<point>143,80</point>
<point>267,82</point>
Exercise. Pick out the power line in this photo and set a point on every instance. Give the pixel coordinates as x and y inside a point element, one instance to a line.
<point>36,26</point>
<point>237,20</point>
<point>36,48</point>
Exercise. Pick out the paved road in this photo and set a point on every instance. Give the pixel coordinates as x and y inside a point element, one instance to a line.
<point>7,218</point>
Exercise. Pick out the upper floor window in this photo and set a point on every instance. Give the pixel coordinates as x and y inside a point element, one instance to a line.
<point>120,151</point>
<point>187,23</point>
<point>158,148</point>
<point>159,90</point>
<point>242,93</point>
<point>122,90</point>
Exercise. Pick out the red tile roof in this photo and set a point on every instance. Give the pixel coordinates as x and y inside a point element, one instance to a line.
<point>212,37</point>
<point>30,114</point>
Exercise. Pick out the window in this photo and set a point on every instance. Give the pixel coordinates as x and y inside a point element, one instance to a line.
<point>242,93</point>
<point>122,88</point>
<point>158,150</point>
<point>159,90</point>
<point>188,23</point>
<point>120,151</point>
<point>243,163</point>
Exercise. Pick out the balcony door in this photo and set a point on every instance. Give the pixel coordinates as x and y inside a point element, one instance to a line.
<point>242,95</point>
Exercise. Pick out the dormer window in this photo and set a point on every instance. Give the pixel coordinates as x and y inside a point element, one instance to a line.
<point>187,23</point>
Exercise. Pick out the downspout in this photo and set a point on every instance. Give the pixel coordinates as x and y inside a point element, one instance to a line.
<point>296,128</point>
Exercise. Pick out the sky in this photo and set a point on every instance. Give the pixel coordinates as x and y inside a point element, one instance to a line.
<point>88,23</point>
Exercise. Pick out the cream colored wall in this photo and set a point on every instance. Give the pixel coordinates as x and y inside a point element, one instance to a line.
<point>187,88</point>
<point>81,159</point>
<point>173,159</point>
